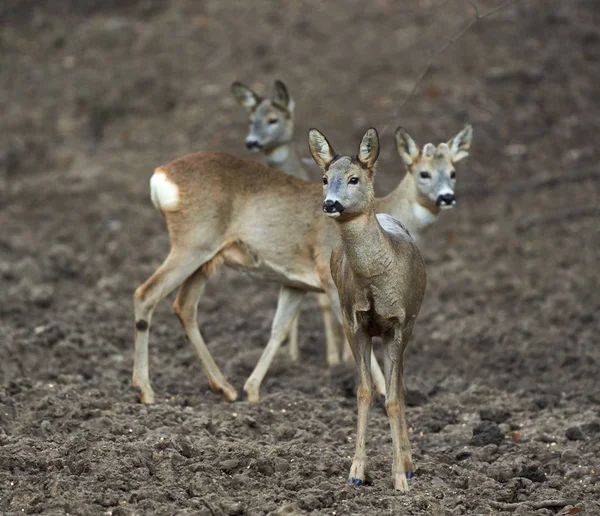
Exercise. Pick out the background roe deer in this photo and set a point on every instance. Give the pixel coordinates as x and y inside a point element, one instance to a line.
<point>271,132</point>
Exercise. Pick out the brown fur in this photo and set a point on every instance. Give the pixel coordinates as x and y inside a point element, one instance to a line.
<point>380,277</point>
<point>238,213</point>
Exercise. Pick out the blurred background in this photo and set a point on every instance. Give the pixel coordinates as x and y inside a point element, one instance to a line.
<point>96,94</point>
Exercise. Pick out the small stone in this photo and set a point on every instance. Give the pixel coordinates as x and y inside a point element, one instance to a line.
<point>42,295</point>
<point>264,467</point>
<point>575,434</point>
<point>250,421</point>
<point>229,465</point>
<point>281,465</point>
<point>547,438</point>
<point>569,457</point>
<point>232,508</point>
<point>497,415</point>
<point>463,454</point>
<point>487,432</point>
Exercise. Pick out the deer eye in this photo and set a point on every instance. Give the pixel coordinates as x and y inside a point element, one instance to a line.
<point>273,121</point>
<point>453,175</point>
<point>324,180</point>
<point>353,181</point>
<point>425,175</point>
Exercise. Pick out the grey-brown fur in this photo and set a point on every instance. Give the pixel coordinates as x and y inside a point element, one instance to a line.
<point>380,278</point>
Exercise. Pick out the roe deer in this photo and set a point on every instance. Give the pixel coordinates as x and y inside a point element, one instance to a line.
<point>271,132</point>
<point>224,210</point>
<point>428,186</point>
<point>380,277</point>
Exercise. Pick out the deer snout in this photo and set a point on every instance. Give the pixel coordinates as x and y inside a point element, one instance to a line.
<point>332,208</point>
<point>252,144</point>
<point>446,200</point>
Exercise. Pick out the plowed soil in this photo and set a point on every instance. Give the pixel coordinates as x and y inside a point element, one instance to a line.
<point>503,367</point>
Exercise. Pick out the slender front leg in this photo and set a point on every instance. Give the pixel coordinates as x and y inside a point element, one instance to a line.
<point>293,338</point>
<point>360,343</point>
<point>378,377</point>
<point>402,467</point>
<point>333,354</point>
<point>287,309</point>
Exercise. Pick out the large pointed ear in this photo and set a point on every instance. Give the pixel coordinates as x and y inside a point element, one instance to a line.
<point>283,97</point>
<point>407,148</point>
<point>460,144</point>
<point>245,96</point>
<point>322,152</point>
<point>368,152</point>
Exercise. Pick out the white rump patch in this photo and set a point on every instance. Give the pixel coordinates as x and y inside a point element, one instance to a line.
<point>164,193</point>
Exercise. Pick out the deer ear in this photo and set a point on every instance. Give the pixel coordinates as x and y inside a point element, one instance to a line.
<point>321,150</point>
<point>283,97</point>
<point>407,148</point>
<point>460,144</point>
<point>245,96</point>
<point>368,152</point>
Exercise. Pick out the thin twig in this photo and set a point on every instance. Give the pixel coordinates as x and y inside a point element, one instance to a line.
<point>477,17</point>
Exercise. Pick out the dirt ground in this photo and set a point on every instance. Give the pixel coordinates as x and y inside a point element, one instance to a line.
<point>502,371</point>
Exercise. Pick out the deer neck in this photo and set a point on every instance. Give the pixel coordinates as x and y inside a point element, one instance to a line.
<point>284,158</point>
<point>365,244</point>
<point>404,203</point>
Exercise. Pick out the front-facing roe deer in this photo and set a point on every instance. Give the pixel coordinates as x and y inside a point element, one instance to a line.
<point>380,277</point>
<point>271,132</point>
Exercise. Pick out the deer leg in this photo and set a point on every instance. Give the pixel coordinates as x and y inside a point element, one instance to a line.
<point>287,310</point>
<point>293,339</point>
<point>360,343</point>
<point>378,377</point>
<point>402,467</point>
<point>174,270</point>
<point>186,309</point>
<point>333,354</point>
<point>347,353</point>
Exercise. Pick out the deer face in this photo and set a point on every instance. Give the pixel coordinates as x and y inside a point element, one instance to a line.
<point>433,167</point>
<point>347,181</point>
<point>271,120</point>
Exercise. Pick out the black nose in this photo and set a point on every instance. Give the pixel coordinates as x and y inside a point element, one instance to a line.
<point>330,206</point>
<point>446,199</point>
<point>251,144</point>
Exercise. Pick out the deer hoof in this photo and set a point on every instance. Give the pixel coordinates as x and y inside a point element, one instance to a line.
<point>145,394</point>
<point>400,483</point>
<point>250,395</point>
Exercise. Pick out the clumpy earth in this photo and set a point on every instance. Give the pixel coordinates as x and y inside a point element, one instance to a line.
<point>502,370</point>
